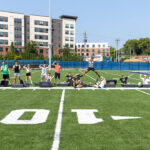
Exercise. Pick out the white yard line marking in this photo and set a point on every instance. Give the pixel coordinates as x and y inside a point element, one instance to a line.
<point>119,75</point>
<point>70,88</point>
<point>143,92</point>
<point>56,141</point>
<point>88,76</point>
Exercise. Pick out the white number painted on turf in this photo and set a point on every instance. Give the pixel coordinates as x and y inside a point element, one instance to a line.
<point>87,116</point>
<point>40,116</point>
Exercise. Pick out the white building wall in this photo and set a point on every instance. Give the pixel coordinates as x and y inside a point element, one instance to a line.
<point>33,18</point>
<point>11,26</point>
<point>64,22</point>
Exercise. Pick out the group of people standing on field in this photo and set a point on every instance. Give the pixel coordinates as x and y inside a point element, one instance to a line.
<point>16,68</point>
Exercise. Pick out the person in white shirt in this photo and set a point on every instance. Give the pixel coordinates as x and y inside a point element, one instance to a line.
<point>44,71</point>
<point>100,84</point>
<point>144,79</point>
<point>91,67</point>
<point>28,73</point>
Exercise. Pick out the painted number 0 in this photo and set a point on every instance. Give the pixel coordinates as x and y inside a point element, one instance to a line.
<point>40,116</point>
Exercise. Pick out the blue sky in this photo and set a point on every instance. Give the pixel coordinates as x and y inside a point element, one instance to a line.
<point>103,20</point>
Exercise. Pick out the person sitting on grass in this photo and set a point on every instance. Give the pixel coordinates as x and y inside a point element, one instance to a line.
<point>28,73</point>
<point>101,83</point>
<point>69,81</point>
<point>48,78</point>
<point>124,79</point>
<point>5,72</point>
<point>91,67</point>
<point>44,72</point>
<point>77,82</point>
<point>145,80</point>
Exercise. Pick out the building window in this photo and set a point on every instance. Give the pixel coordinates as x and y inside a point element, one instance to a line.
<point>41,23</point>
<point>87,46</point>
<point>66,45</point>
<point>67,32</point>
<point>16,20</point>
<point>35,22</point>
<point>93,50</point>
<point>1,18</point>
<point>103,45</point>
<point>47,51</point>
<point>18,43</point>
<point>1,41</point>
<point>18,35</point>
<point>41,51</point>
<point>107,54</point>
<point>71,46</point>
<point>82,46</point>
<point>41,44</point>
<point>93,45</point>
<point>6,42</point>
<point>6,26</point>
<point>82,54</point>
<point>78,50</point>
<point>1,49</point>
<point>99,45</point>
<point>72,26</point>
<point>78,46</point>
<point>27,22</point>
<point>1,26</point>
<point>66,25</point>
<point>6,19</point>
<point>46,23</point>
<point>87,50</point>
<point>6,49</point>
<point>82,50</point>
<point>71,32</point>
<point>72,39</point>
<point>18,28</point>
<point>1,34</point>
<point>87,54</point>
<point>66,38</point>
<point>59,38</point>
<point>93,54</point>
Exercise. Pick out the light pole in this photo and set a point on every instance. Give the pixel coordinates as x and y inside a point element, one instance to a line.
<point>50,36</point>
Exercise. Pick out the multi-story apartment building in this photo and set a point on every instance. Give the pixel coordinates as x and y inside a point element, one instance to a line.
<point>92,49</point>
<point>11,30</point>
<point>64,33</point>
<point>19,28</point>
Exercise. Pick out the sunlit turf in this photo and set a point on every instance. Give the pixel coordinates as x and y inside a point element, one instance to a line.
<point>89,78</point>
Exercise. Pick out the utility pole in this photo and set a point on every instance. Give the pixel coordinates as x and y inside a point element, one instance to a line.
<point>84,41</point>
<point>117,47</point>
<point>50,35</point>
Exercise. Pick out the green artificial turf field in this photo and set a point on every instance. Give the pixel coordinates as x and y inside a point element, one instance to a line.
<point>88,78</point>
<point>63,128</point>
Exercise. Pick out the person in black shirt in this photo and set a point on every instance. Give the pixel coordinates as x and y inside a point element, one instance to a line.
<point>123,80</point>
<point>77,82</point>
<point>16,69</point>
<point>70,81</point>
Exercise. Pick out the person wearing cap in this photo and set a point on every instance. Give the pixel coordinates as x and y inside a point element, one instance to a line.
<point>144,79</point>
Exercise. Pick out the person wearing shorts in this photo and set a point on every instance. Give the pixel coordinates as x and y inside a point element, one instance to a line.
<point>57,72</point>
<point>16,69</point>
<point>5,72</point>
<point>28,73</point>
<point>44,72</point>
<point>91,67</point>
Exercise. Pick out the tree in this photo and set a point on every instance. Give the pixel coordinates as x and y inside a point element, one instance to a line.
<point>12,48</point>
<point>31,47</point>
<point>113,53</point>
